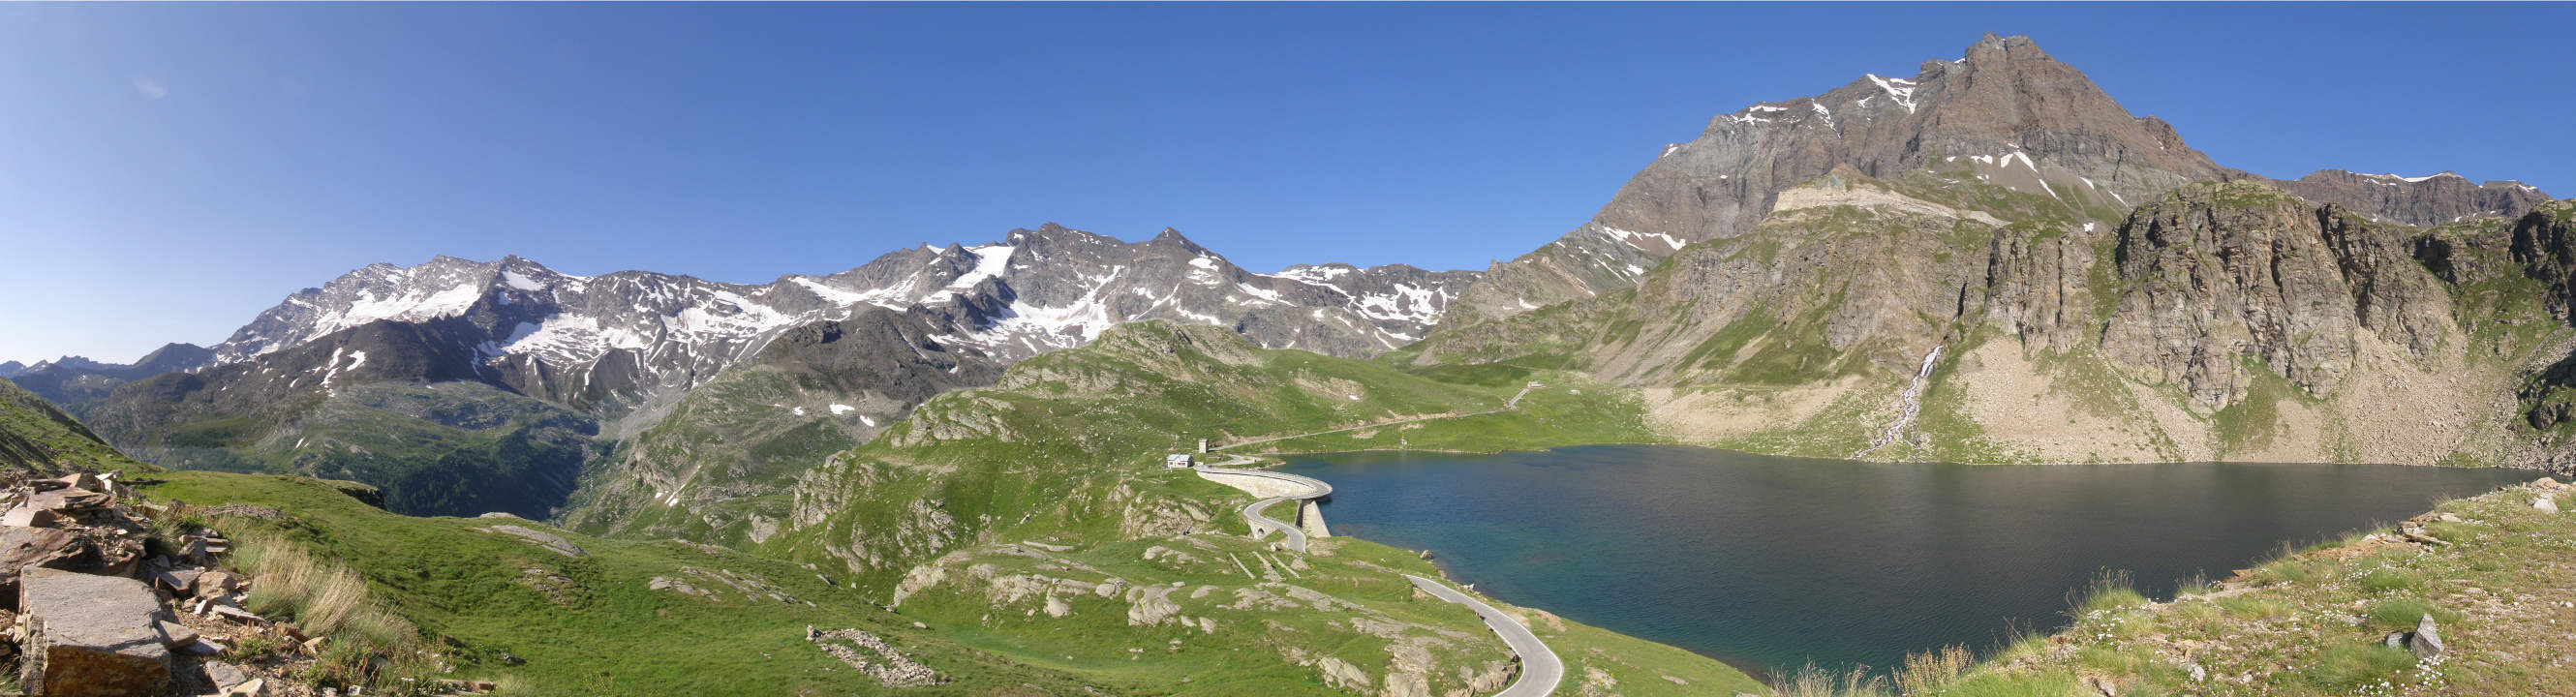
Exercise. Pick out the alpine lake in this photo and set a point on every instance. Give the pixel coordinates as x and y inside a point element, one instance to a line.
<point>1773,563</point>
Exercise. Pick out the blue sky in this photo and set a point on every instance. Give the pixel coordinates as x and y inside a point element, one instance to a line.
<point>167,171</point>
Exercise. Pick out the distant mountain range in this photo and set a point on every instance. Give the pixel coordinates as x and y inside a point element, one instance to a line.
<point>619,350</point>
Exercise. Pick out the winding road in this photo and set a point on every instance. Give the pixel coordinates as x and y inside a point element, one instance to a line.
<point>1540,669</point>
<point>1312,489</point>
<point>1513,403</point>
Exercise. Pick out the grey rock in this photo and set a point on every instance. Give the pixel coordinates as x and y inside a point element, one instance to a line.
<point>2220,270</point>
<point>91,636</point>
<point>550,541</point>
<point>225,675</point>
<point>37,547</point>
<point>2418,201</point>
<point>2426,641</point>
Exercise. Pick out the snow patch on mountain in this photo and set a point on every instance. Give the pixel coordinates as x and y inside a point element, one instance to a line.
<point>1899,89</point>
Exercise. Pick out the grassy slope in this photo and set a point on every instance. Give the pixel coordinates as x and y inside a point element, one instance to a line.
<point>608,634</point>
<point>431,447</point>
<point>1243,654</point>
<point>2311,623</point>
<point>747,449</point>
<point>1064,452</point>
<point>991,459</point>
<point>36,436</point>
<point>1049,463</point>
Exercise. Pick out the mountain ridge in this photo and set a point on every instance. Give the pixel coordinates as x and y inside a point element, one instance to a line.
<point>617,352</point>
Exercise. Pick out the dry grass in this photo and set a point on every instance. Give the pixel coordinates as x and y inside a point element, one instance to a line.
<point>323,598</point>
<point>1812,681</point>
<point>1928,672</point>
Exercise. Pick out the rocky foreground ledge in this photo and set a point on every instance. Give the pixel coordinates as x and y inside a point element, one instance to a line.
<point>109,596</point>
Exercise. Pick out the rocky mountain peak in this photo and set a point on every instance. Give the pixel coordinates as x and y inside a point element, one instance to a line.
<point>1171,238</point>
<point>2006,109</point>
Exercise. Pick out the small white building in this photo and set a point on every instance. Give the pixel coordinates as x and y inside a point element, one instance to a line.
<point>1179,461</point>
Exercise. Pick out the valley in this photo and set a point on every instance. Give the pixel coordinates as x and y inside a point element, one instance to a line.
<point>1929,385</point>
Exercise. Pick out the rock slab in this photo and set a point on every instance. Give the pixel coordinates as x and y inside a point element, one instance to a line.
<point>91,636</point>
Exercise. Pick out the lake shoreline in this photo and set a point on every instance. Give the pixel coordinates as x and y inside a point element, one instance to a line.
<point>1504,574</point>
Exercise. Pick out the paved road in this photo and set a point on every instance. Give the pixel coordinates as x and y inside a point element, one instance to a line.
<point>1314,489</point>
<point>1513,403</point>
<point>1252,514</point>
<point>1540,669</point>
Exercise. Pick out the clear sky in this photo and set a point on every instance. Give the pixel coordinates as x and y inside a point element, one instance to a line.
<point>167,171</point>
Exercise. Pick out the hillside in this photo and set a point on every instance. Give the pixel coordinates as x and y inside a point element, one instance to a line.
<point>1006,515</point>
<point>2218,321</point>
<point>37,438</point>
<point>2465,599</point>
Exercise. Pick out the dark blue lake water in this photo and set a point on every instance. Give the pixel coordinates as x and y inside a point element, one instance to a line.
<point>1769,562</point>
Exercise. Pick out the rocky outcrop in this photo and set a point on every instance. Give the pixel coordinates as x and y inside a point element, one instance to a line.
<point>2218,271</point>
<point>2419,201</point>
<point>550,541</point>
<point>91,636</point>
<point>867,653</point>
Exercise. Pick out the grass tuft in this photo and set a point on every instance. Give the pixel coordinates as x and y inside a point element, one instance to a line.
<point>1928,672</point>
<point>1812,681</point>
<point>2346,667</point>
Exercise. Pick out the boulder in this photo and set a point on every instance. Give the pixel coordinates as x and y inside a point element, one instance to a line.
<point>215,584</point>
<point>66,500</point>
<point>91,636</point>
<point>81,480</point>
<point>180,582</point>
<point>2545,504</point>
<point>2426,642</point>
<point>176,635</point>
<point>29,516</point>
<point>43,547</point>
<point>225,675</point>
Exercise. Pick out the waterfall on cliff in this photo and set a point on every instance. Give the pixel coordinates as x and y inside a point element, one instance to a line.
<point>1913,400</point>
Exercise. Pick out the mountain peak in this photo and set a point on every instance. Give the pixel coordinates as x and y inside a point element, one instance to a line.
<point>2006,100</point>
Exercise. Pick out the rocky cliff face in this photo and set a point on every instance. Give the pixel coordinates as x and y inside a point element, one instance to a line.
<point>2222,271</point>
<point>2220,320</point>
<point>2418,201</point>
<point>2023,118</point>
